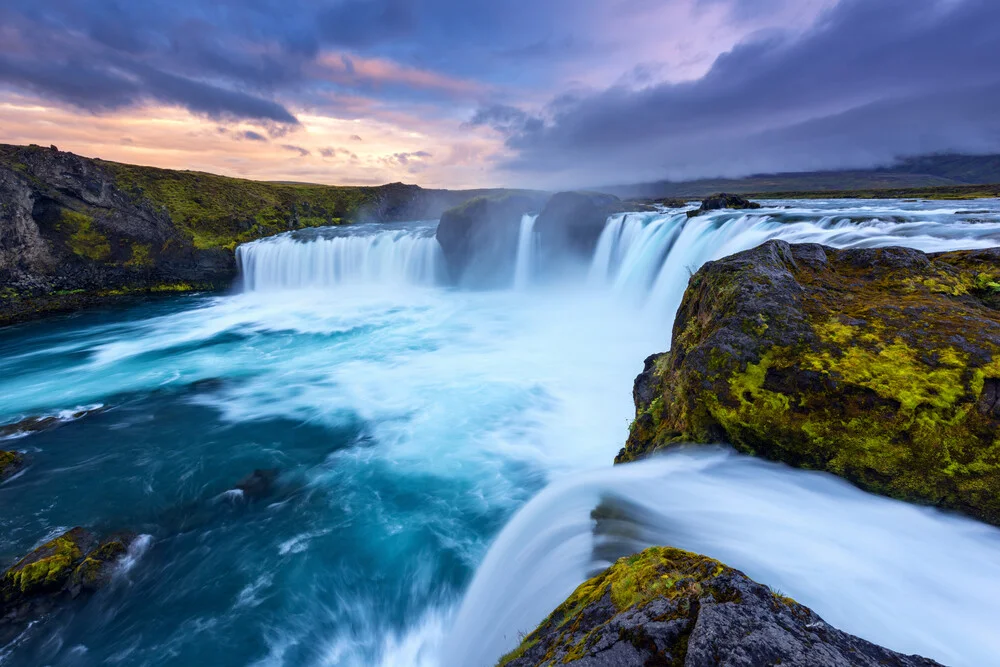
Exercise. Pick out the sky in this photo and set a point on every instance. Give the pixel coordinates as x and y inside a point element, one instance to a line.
<point>522,93</point>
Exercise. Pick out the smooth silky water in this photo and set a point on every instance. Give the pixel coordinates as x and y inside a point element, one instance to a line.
<point>411,422</point>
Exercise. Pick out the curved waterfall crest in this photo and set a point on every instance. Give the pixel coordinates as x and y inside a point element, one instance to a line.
<point>329,257</point>
<point>646,257</point>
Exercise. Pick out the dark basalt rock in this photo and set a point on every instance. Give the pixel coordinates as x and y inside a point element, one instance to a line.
<point>77,232</point>
<point>670,607</point>
<point>59,570</point>
<point>572,222</point>
<point>258,484</point>
<point>479,238</point>
<point>723,200</point>
<point>36,424</point>
<point>10,464</point>
<point>878,365</point>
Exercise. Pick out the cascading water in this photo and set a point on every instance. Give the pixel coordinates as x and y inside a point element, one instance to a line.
<point>913,579</point>
<point>648,257</point>
<point>409,421</point>
<point>329,257</point>
<point>527,243</point>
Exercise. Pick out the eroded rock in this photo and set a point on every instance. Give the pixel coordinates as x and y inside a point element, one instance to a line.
<point>62,568</point>
<point>670,607</point>
<point>879,365</point>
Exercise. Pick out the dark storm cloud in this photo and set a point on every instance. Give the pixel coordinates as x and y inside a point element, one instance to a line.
<point>870,82</point>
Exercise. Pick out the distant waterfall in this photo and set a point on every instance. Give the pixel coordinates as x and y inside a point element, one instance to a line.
<point>366,254</point>
<point>527,245</point>
<point>649,257</point>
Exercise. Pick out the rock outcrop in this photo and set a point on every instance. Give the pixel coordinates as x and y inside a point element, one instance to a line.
<point>10,464</point>
<point>61,569</point>
<point>879,365</point>
<point>571,223</point>
<point>479,237</point>
<point>723,200</point>
<point>670,607</point>
<point>76,231</point>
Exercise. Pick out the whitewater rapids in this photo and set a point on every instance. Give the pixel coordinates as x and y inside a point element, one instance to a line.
<point>440,451</point>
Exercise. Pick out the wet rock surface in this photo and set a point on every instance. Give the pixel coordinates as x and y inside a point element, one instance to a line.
<point>879,365</point>
<point>10,464</point>
<point>61,569</point>
<point>723,200</point>
<point>670,607</point>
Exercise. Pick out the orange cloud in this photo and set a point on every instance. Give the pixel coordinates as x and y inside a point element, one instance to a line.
<point>174,138</point>
<point>347,69</point>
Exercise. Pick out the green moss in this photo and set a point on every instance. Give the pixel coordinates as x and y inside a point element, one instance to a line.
<point>222,212</point>
<point>83,239</point>
<point>141,256</point>
<point>46,569</point>
<point>657,573</point>
<point>9,462</point>
<point>881,383</point>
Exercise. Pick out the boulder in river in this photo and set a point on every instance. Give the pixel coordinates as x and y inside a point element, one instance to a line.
<point>723,200</point>
<point>10,464</point>
<point>670,607</point>
<point>879,365</point>
<point>258,484</point>
<point>62,568</point>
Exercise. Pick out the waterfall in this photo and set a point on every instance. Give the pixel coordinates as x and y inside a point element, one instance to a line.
<point>328,257</point>
<point>527,245</point>
<point>852,557</point>
<point>648,257</point>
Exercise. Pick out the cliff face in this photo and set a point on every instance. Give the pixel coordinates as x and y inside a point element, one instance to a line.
<point>76,231</point>
<point>670,607</point>
<point>879,365</point>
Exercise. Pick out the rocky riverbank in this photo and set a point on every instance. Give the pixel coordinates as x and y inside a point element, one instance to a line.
<point>76,232</point>
<point>879,365</point>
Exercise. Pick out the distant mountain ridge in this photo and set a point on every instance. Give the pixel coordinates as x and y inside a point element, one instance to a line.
<point>918,172</point>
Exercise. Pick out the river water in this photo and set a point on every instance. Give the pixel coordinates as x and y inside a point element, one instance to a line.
<point>411,424</point>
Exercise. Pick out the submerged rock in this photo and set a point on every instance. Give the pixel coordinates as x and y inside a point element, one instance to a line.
<point>10,464</point>
<point>879,365</point>
<point>258,484</point>
<point>670,607</point>
<point>572,222</point>
<point>61,568</point>
<point>36,424</point>
<point>723,200</point>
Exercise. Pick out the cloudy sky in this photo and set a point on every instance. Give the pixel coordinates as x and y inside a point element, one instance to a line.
<point>537,93</point>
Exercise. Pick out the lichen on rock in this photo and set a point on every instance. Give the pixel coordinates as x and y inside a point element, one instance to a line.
<point>665,606</point>
<point>10,463</point>
<point>61,568</point>
<point>879,365</point>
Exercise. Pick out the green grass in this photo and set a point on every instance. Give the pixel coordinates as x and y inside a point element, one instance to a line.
<point>221,212</point>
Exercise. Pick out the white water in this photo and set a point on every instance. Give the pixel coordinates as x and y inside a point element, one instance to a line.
<point>527,243</point>
<point>466,404</point>
<point>648,257</point>
<point>912,579</point>
<point>329,257</point>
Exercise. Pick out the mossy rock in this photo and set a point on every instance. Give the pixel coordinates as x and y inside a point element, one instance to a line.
<point>10,464</point>
<point>879,365</point>
<point>667,607</point>
<point>61,568</point>
<point>48,568</point>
